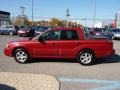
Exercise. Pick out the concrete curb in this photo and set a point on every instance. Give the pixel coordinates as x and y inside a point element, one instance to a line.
<point>24,81</point>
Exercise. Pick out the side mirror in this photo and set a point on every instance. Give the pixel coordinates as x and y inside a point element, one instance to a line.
<point>41,39</point>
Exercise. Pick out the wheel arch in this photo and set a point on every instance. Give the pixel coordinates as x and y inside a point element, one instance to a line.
<point>20,48</point>
<point>11,31</point>
<point>86,49</point>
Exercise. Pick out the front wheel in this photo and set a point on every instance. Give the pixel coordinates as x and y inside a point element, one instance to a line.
<point>21,56</point>
<point>86,57</point>
<point>11,33</point>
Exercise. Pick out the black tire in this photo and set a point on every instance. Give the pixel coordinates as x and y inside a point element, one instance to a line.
<point>20,35</point>
<point>85,57</point>
<point>21,56</point>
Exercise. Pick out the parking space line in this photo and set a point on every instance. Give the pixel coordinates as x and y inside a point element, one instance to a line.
<point>108,84</point>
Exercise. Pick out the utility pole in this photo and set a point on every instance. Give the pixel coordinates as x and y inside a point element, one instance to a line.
<point>67,15</point>
<point>85,19</point>
<point>94,21</point>
<point>22,14</point>
<point>12,20</point>
<point>32,14</point>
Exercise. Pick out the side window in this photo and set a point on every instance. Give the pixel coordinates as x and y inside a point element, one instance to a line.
<point>109,30</point>
<point>6,26</point>
<point>69,35</point>
<point>2,27</point>
<point>11,27</point>
<point>52,35</point>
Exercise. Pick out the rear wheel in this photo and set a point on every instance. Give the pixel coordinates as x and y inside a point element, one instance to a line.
<point>21,56</point>
<point>86,57</point>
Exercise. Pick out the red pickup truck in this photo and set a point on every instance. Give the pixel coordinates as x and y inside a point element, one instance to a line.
<point>61,43</point>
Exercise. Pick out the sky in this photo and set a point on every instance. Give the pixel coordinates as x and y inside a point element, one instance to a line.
<point>105,9</point>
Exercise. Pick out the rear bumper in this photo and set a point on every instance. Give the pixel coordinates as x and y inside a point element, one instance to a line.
<point>116,37</point>
<point>112,52</point>
<point>107,54</point>
<point>22,34</point>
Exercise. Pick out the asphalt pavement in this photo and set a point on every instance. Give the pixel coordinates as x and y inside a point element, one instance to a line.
<point>71,74</point>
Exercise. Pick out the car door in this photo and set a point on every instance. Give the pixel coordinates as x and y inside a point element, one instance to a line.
<point>2,29</point>
<point>67,43</point>
<point>6,30</point>
<point>46,47</point>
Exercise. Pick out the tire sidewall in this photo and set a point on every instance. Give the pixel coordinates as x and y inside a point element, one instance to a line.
<point>11,33</point>
<point>23,50</point>
<point>85,51</point>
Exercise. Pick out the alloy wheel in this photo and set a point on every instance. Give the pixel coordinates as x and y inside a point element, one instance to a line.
<point>21,56</point>
<point>86,58</point>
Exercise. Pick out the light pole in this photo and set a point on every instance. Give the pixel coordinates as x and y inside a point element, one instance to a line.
<point>85,19</point>
<point>44,19</point>
<point>94,18</point>
<point>32,14</point>
<point>22,14</point>
<point>67,15</point>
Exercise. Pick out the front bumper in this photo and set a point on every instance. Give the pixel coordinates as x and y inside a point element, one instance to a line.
<point>8,52</point>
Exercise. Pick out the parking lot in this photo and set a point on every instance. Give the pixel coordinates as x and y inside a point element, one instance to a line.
<point>104,69</point>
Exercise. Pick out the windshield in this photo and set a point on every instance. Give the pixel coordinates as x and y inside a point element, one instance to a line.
<point>42,29</point>
<point>36,37</point>
<point>98,30</point>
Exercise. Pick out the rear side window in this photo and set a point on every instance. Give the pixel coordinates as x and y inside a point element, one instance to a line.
<point>68,35</point>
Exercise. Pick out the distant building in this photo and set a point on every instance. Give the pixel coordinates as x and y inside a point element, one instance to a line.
<point>98,25</point>
<point>4,18</point>
<point>105,24</point>
<point>108,23</point>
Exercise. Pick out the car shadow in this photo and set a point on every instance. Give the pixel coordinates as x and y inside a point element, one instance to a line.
<point>6,87</point>
<point>38,60</point>
<point>110,59</point>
